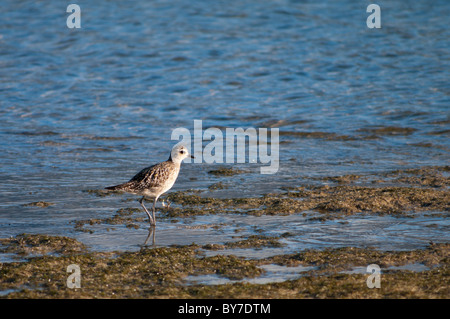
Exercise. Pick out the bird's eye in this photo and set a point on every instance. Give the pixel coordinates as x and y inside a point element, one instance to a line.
<point>181,152</point>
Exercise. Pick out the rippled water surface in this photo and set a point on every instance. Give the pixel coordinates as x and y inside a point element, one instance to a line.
<point>88,108</point>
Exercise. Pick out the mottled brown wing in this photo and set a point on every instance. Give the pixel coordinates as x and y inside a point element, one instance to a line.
<point>153,176</point>
<point>148,177</point>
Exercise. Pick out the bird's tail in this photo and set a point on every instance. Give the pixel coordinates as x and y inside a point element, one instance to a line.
<point>116,187</point>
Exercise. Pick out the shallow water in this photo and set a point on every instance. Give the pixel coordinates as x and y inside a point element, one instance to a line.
<point>298,233</point>
<point>272,273</point>
<point>88,108</point>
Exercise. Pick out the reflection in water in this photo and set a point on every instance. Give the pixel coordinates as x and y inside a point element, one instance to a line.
<point>152,233</point>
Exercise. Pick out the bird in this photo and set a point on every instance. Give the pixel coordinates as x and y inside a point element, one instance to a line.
<point>155,180</point>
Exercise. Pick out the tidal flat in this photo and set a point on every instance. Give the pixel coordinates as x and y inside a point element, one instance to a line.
<point>252,264</point>
<point>163,272</point>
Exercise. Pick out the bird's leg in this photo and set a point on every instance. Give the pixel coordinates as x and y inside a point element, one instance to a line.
<point>153,211</point>
<point>141,201</point>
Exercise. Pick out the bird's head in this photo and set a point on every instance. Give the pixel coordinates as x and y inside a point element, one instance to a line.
<point>179,153</point>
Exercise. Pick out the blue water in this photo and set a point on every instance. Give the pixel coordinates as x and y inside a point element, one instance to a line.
<point>88,108</point>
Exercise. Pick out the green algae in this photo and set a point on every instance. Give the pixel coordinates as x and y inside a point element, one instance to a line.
<point>217,186</point>
<point>425,285</point>
<point>318,135</point>
<point>121,274</point>
<point>29,244</point>
<point>128,216</point>
<point>382,200</point>
<point>253,241</point>
<point>414,190</point>
<point>324,199</point>
<point>162,272</point>
<point>42,204</point>
<point>429,176</point>
<point>338,259</point>
<point>225,171</point>
<point>388,130</point>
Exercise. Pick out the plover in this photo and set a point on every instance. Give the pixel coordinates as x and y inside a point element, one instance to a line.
<point>155,180</point>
